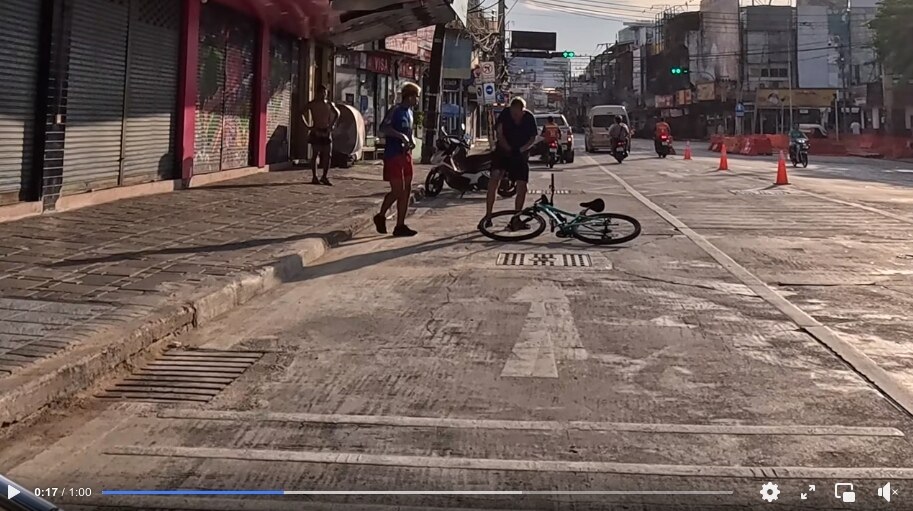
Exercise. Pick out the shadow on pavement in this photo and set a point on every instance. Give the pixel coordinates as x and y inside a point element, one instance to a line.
<point>332,237</point>
<point>359,261</point>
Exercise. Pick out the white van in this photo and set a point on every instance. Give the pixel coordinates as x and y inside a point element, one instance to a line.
<point>599,120</point>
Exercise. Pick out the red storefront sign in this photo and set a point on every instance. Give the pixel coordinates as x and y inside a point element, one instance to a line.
<point>408,70</point>
<point>379,63</point>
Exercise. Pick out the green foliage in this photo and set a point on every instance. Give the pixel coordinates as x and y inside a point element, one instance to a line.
<point>893,26</point>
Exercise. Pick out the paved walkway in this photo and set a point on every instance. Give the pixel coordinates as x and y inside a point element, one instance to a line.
<point>64,278</point>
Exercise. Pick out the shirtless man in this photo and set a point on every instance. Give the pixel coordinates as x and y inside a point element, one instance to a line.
<point>324,115</point>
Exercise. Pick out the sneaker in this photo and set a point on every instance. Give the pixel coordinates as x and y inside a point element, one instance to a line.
<point>403,231</point>
<point>325,181</point>
<point>380,223</point>
<point>315,181</point>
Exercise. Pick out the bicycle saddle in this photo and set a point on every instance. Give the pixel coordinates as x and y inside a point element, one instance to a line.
<point>595,205</point>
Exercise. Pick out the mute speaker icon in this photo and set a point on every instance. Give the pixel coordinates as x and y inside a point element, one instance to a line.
<point>885,492</point>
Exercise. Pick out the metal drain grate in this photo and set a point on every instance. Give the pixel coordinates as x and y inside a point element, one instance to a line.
<point>540,259</point>
<point>546,192</point>
<point>177,375</point>
<point>762,191</point>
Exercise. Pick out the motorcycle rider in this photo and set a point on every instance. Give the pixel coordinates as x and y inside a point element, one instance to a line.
<point>662,128</point>
<point>619,131</point>
<point>795,136</point>
<point>551,132</point>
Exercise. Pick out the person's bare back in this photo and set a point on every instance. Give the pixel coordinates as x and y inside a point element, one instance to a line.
<point>321,114</point>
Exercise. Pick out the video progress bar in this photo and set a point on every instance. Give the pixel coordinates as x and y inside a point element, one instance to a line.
<point>415,492</point>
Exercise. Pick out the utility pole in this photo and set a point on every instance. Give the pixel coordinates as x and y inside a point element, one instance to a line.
<point>502,43</point>
<point>433,94</point>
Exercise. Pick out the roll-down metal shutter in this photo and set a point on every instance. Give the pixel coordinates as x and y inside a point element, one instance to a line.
<point>20,25</point>
<point>95,95</point>
<point>282,68</point>
<point>152,81</point>
<point>225,87</point>
<point>239,81</point>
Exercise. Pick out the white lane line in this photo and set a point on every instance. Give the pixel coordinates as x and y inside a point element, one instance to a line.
<point>515,465</point>
<point>443,422</point>
<point>855,358</point>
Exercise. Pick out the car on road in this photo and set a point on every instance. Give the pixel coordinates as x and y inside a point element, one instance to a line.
<point>599,120</point>
<point>566,140</point>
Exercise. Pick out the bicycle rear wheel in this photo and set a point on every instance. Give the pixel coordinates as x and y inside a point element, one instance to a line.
<point>607,229</point>
<point>501,229</point>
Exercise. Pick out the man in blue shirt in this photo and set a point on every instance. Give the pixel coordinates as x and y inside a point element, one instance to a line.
<point>397,129</point>
<point>517,131</point>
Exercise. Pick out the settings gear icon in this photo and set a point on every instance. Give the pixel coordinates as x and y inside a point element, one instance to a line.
<point>770,492</point>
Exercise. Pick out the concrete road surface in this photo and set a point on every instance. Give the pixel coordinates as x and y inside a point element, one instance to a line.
<point>753,342</point>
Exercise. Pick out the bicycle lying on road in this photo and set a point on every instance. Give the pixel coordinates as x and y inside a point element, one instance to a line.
<point>597,228</point>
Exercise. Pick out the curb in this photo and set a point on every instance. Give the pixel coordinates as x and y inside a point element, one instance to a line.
<point>71,372</point>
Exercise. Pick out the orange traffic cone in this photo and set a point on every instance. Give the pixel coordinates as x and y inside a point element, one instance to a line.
<point>724,160</point>
<point>687,150</point>
<point>781,171</point>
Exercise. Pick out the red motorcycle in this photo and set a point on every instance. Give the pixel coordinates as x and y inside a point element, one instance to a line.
<point>552,154</point>
<point>664,145</point>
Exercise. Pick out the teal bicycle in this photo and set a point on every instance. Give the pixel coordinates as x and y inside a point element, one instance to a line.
<point>596,228</point>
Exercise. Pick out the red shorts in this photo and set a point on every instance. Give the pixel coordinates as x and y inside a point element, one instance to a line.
<point>398,168</point>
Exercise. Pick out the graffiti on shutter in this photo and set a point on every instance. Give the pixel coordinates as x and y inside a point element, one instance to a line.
<point>239,80</point>
<point>210,101</point>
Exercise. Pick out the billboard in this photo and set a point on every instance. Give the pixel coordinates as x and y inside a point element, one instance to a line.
<point>407,43</point>
<point>541,41</point>
<point>801,98</point>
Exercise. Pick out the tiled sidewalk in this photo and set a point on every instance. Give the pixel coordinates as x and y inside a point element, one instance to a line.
<point>66,277</point>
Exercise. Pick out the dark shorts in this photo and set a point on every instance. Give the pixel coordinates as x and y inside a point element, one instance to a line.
<point>516,164</point>
<point>320,137</point>
<point>398,168</point>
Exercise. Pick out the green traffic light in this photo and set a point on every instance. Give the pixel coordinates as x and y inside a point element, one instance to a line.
<point>568,54</point>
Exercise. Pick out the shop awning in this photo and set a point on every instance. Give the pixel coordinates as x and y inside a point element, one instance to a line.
<point>362,21</point>
<point>351,22</point>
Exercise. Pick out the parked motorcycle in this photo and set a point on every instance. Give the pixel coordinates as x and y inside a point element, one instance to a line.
<point>620,150</point>
<point>798,153</point>
<point>461,171</point>
<point>664,145</point>
<point>553,155</point>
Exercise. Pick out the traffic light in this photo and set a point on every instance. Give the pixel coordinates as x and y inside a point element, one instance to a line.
<point>679,70</point>
<point>568,54</point>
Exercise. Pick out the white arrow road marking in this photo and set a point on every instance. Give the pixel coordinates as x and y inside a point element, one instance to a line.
<point>549,334</point>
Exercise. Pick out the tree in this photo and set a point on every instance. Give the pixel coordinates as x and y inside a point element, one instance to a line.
<point>893,25</point>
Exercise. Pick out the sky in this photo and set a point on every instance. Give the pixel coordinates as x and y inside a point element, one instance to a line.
<point>580,33</point>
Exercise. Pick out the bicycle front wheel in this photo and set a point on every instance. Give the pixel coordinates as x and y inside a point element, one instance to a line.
<point>607,229</point>
<point>503,226</point>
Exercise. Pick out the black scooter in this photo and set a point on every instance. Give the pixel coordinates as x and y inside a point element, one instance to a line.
<point>461,171</point>
<point>798,153</point>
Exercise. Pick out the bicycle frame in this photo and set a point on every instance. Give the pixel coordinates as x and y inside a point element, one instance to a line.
<point>556,215</point>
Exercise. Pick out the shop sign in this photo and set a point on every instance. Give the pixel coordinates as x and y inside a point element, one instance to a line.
<point>664,101</point>
<point>378,63</point>
<point>407,42</point>
<point>451,84</point>
<point>706,91</point>
<point>683,97</point>
<point>805,98</point>
<point>407,70</point>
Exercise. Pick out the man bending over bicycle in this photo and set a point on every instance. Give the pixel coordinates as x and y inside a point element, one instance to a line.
<point>516,131</point>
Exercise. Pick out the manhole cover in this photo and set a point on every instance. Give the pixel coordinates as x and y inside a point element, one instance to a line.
<point>177,375</point>
<point>546,192</point>
<point>762,191</point>
<point>534,259</point>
